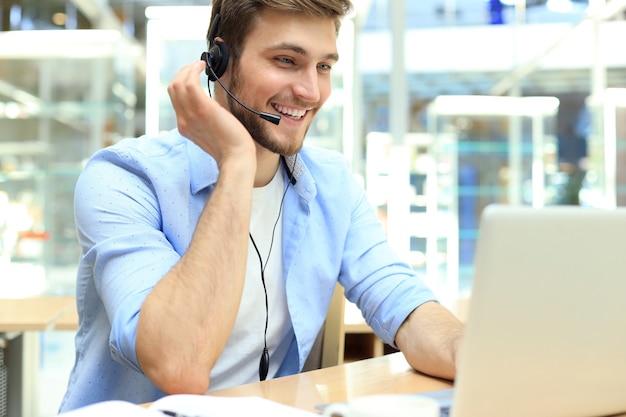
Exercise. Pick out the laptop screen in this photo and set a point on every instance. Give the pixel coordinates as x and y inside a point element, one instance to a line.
<point>546,326</point>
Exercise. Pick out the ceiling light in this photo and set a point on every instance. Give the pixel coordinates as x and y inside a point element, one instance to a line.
<point>560,6</point>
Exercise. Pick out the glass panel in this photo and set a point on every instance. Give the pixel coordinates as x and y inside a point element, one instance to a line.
<point>486,150</point>
<point>58,105</point>
<point>605,183</point>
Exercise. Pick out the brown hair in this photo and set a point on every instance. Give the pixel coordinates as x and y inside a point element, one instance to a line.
<point>238,17</point>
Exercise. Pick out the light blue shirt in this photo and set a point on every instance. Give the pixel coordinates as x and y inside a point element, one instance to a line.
<point>136,208</point>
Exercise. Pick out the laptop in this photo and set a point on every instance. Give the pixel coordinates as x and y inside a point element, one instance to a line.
<point>546,326</point>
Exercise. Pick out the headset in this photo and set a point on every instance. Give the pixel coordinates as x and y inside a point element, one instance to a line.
<point>217,57</point>
<point>216,63</point>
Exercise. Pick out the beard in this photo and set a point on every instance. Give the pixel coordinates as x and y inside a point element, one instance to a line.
<point>257,127</point>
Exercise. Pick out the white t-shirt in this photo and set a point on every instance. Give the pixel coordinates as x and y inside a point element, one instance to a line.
<point>239,362</point>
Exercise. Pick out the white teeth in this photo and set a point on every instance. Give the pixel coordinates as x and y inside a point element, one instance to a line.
<point>295,113</point>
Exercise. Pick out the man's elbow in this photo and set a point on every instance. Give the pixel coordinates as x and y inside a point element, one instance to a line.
<point>175,381</point>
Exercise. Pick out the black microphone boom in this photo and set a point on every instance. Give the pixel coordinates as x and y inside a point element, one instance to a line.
<point>273,118</point>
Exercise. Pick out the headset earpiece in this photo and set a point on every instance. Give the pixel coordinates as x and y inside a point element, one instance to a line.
<point>217,57</point>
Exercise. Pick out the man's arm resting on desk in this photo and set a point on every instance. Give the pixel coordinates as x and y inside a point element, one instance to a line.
<point>187,318</point>
<point>430,339</point>
<point>189,315</point>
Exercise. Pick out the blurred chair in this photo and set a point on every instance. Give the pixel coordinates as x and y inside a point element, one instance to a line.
<point>328,349</point>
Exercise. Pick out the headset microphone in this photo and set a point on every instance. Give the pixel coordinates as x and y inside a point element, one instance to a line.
<point>274,118</point>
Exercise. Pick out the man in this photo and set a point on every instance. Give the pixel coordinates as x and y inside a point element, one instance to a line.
<point>210,253</point>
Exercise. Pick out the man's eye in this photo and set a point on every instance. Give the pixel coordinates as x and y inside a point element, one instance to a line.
<point>325,67</point>
<point>285,60</point>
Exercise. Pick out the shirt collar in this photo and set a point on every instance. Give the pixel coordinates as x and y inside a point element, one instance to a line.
<point>204,171</point>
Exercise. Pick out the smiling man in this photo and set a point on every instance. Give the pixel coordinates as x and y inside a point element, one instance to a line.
<point>210,253</point>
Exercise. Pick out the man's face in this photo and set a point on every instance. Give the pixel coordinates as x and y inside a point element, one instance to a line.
<point>284,69</point>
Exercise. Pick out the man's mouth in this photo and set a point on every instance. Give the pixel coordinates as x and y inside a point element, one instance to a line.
<point>295,114</point>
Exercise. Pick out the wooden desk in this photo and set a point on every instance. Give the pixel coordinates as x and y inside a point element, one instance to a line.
<point>32,314</point>
<point>68,321</point>
<point>21,320</point>
<point>389,374</point>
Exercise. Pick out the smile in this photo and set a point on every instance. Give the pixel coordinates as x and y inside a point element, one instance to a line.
<point>296,114</point>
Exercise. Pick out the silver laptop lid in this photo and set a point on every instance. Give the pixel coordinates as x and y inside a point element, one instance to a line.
<point>546,327</point>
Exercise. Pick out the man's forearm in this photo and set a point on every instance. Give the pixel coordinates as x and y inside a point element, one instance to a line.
<point>430,339</point>
<point>187,318</point>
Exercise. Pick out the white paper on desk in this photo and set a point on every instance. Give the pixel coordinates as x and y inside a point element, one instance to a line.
<point>109,409</point>
<point>213,406</point>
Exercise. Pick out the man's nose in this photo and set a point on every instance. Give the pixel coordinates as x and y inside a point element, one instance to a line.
<point>306,86</point>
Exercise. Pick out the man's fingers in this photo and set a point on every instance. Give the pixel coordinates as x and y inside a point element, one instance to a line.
<point>189,99</point>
